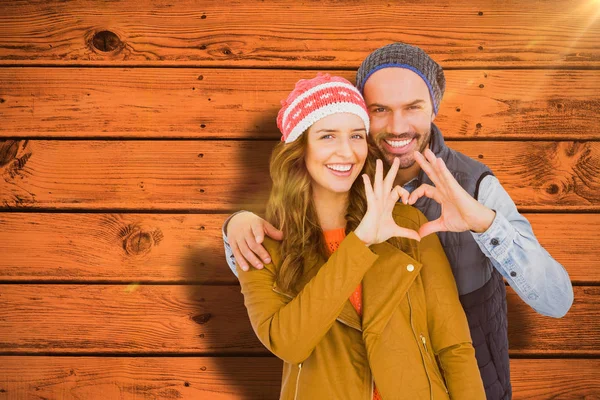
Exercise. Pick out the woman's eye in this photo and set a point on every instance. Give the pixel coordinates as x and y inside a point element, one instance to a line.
<point>358,136</point>
<point>326,137</point>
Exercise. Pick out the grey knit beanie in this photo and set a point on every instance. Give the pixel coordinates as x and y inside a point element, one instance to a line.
<point>403,55</point>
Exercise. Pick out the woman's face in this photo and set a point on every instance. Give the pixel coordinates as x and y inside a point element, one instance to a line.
<point>336,152</point>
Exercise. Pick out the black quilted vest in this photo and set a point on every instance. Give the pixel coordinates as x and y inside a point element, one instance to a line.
<point>480,285</point>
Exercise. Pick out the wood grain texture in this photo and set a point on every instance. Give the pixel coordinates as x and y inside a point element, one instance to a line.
<point>165,248</point>
<point>241,104</point>
<point>113,247</point>
<point>147,378</point>
<point>323,34</point>
<point>231,175</point>
<point>247,378</point>
<point>195,320</point>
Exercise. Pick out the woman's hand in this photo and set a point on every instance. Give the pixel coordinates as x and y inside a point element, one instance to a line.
<point>378,224</point>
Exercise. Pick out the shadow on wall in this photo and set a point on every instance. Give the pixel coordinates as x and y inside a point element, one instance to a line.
<point>242,368</point>
<point>232,363</point>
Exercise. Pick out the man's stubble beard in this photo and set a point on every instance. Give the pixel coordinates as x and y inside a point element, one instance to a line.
<point>408,160</point>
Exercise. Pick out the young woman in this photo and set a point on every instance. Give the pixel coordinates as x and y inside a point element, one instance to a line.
<point>352,302</point>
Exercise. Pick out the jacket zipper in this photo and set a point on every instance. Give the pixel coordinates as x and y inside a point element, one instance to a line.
<point>420,352</point>
<point>300,365</point>
<point>298,381</point>
<point>429,355</point>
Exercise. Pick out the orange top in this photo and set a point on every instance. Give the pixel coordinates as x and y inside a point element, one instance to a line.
<point>333,238</point>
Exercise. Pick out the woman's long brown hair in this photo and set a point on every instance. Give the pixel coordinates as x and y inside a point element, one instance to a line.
<point>291,208</point>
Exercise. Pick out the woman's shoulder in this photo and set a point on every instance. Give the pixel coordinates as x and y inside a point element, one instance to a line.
<point>408,216</point>
<point>272,247</point>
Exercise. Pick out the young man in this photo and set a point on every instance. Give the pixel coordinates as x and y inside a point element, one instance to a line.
<point>483,234</point>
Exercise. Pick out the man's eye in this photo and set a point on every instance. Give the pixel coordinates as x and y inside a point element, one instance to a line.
<point>379,110</point>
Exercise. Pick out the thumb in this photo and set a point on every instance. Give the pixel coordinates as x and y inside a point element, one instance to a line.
<point>432,227</point>
<point>273,232</point>
<point>407,233</point>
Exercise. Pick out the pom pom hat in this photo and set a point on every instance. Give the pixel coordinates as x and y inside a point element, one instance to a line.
<point>317,98</point>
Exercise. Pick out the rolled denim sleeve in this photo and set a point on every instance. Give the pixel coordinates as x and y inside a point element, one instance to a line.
<point>515,252</point>
<point>229,257</point>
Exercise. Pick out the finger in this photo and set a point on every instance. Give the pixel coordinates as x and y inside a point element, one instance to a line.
<point>368,189</point>
<point>259,250</point>
<point>239,259</point>
<point>258,232</point>
<point>378,183</point>
<point>432,227</point>
<point>404,194</point>
<point>433,161</point>
<point>425,190</point>
<point>249,254</point>
<point>451,182</point>
<point>393,198</point>
<point>391,176</point>
<point>398,193</point>
<point>407,233</point>
<point>426,167</point>
<point>273,232</point>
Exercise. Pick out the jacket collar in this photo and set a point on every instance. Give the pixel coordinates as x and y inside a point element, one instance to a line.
<point>384,285</point>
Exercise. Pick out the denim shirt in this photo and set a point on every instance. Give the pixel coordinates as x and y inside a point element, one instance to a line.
<point>514,251</point>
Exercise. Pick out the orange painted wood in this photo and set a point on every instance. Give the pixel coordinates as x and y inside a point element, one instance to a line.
<point>231,103</point>
<point>231,175</point>
<point>113,247</point>
<point>323,34</point>
<point>147,378</point>
<point>163,248</point>
<point>234,378</point>
<point>169,319</point>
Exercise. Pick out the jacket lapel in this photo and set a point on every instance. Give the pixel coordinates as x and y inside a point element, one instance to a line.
<point>385,284</point>
<point>348,316</point>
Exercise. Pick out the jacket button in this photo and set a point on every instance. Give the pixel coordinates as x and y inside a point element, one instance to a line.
<point>513,273</point>
<point>410,268</point>
<point>495,242</point>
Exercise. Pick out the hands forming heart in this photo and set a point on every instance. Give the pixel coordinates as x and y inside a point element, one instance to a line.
<point>460,211</point>
<point>378,224</point>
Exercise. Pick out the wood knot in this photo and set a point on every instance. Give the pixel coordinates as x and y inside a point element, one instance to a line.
<point>106,42</point>
<point>8,151</point>
<point>552,189</point>
<point>202,318</point>
<point>137,241</point>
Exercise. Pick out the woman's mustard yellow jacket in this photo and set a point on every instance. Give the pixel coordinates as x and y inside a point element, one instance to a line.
<point>413,339</point>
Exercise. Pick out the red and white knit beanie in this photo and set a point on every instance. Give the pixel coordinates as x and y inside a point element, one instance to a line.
<point>317,98</point>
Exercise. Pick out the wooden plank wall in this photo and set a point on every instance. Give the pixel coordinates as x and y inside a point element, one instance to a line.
<point>130,130</point>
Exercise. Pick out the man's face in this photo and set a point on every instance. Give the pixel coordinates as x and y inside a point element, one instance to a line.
<point>401,113</point>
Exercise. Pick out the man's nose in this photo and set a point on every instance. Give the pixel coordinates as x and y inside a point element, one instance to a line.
<point>398,124</point>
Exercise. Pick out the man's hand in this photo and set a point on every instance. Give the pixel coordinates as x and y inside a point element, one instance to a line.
<point>246,231</point>
<point>460,211</point>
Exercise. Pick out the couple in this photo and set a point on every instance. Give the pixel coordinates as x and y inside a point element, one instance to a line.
<point>403,333</point>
